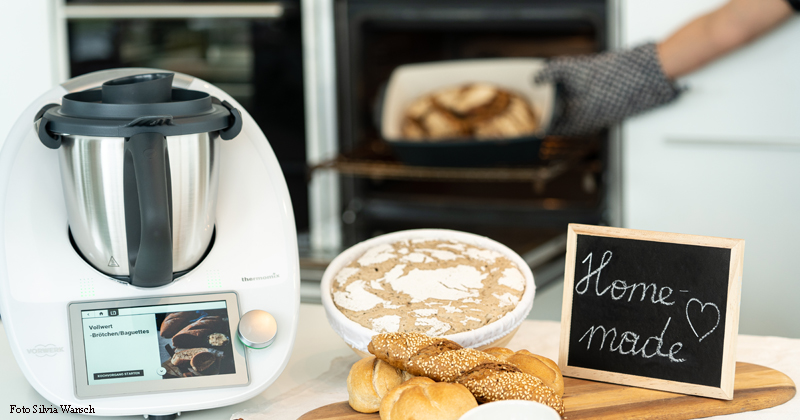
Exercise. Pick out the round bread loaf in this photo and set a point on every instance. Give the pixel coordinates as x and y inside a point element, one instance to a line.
<point>369,381</point>
<point>424,399</point>
<point>436,287</point>
<point>476,110</point>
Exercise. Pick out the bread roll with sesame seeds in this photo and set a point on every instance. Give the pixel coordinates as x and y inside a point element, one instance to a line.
<point>369,381</point>
<point>490,382</point>
<point>488,377</point>
<point>532,364</point>
<point>447,365</point>
<point>397,348</point>
<point>423,399</point>
<point>440,359</point>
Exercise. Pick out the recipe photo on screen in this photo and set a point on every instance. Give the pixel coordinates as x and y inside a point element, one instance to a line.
<point>157,342</point>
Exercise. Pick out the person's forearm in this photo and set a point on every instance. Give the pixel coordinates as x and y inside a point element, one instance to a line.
<point>719,32</point>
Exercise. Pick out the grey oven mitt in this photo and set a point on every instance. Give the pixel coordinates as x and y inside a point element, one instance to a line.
<point>596,91</point>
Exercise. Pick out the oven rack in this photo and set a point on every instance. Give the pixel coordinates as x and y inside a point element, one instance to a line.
<point>556,156</point>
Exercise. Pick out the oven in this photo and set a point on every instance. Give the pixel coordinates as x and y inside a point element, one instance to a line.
<point>526,207</point>
<point>311,72</point>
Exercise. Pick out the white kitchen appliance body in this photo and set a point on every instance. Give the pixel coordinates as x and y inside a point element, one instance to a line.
<point>254,258</point>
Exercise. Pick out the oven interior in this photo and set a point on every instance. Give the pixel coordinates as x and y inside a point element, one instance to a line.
<point>527,207</point>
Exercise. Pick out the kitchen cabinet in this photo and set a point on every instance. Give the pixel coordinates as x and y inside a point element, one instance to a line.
<point>724,159</point>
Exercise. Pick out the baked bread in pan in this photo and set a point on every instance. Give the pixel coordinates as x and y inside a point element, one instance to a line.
<point>480,111</point>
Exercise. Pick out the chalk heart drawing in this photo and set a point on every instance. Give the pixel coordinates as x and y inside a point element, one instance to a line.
<point>702,309</point>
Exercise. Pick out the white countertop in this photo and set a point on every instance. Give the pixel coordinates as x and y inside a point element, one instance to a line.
<point>320,361</point>
<point>316,345</point>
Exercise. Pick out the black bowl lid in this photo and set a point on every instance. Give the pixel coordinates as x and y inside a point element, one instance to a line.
<point>136,104</point>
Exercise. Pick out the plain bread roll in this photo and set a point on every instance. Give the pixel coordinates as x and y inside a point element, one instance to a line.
<point>422,398</point>
<point>369,381</point>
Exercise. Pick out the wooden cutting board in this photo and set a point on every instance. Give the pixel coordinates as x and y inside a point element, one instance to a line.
<point>756,387</point>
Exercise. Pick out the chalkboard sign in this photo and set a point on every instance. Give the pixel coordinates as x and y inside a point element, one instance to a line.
<point>650,309</point>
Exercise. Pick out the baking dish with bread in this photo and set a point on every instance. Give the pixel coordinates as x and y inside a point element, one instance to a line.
<point>467,112</point>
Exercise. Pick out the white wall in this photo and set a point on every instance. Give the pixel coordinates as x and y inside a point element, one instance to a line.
<point>30,62</point>
<point>724,160</point>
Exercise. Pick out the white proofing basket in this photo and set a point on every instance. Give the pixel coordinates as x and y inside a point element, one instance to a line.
<point>358,337</point>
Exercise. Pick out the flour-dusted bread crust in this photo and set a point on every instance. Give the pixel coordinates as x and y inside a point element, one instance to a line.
<point>516,120</point>
<point>369,381</point>
<point>481,111</point>
<point>436,287</point>
<point>424,399</point>
<point>467,99</point>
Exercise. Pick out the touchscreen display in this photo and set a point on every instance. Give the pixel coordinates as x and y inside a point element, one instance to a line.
<point>157,342</point>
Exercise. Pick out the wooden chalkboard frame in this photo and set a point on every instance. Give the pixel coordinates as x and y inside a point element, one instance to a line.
<point>725,390</point>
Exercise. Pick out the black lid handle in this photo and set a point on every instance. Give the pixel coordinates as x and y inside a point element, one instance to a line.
<point>47,137</point>
<point>139,89</point>
<point>235,126</point>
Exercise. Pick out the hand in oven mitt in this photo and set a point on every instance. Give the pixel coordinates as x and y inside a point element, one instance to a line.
<point>597,91</point>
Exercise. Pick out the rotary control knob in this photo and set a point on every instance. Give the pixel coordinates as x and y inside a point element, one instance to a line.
<point>257,329</point>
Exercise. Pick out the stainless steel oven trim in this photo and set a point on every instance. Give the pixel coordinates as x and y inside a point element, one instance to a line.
<point>319,65</point>
<point>172,11</point>
<point>614,179</point>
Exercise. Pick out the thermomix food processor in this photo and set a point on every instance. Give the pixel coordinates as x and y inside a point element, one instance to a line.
<point>148,253</point>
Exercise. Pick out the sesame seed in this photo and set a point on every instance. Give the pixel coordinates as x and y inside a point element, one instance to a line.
<point>452,365</point>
